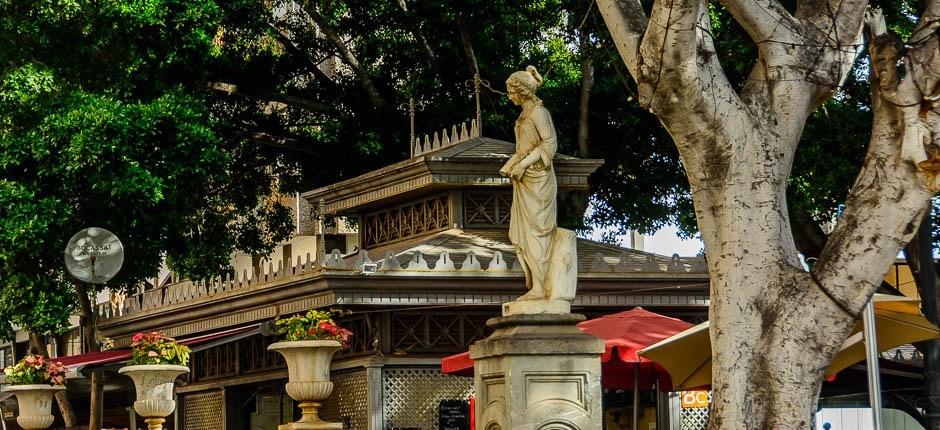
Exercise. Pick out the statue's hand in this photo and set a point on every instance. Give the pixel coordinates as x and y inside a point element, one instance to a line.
<point>504,172</point>
<point>517,172</point>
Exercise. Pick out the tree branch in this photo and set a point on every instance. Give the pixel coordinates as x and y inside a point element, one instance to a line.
<point>627,23</point>
<point>365,81</point>
<point>241,91</point>
<point>898,179</point>
<point>837,21</point>
<point>283,37</point>
<point>278,142</point>
<point>763,19</point>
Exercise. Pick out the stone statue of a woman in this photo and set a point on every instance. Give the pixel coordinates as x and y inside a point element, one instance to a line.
<point>532,222</point>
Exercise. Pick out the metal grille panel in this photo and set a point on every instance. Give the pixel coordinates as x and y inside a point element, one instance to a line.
<point>204,411</point>
<point>411,396</point>
<point>349,399</point>
<point>695,418</point>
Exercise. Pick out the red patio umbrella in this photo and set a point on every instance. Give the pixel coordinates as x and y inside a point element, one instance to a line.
<point>624,333</point>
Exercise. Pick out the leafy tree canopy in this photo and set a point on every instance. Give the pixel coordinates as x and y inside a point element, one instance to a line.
<point>104,122</point>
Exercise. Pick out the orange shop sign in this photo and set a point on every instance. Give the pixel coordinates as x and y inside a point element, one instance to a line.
<point>694,399</point>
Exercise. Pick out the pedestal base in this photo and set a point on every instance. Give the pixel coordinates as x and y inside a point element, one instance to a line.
<point>538,372</point>
<point>323,425</point>
<point>154,423</point>
<point>536,307</point>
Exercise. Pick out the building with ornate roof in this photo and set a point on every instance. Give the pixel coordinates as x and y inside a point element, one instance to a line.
<point>431,264</point>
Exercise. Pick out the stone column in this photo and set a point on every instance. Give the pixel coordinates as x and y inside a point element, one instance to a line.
<point>537,372</point>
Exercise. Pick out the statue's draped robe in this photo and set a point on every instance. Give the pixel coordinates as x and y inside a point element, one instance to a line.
<point>533,216</point>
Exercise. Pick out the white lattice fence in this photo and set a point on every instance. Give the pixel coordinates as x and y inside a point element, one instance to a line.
<point>411,396</point>
<point>695,418</point>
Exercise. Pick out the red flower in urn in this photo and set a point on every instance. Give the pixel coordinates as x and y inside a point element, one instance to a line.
<point>314,325</point>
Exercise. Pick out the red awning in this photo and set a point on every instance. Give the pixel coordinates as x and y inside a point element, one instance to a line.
<point>79,361</point>
<point>626,332</point>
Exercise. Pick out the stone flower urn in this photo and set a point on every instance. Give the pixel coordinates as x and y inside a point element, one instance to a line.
<point>154,383</point>
<point>35,402</point>
<point>308,374</point>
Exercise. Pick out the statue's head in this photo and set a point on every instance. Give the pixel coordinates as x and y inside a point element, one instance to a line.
<point>521,85</point>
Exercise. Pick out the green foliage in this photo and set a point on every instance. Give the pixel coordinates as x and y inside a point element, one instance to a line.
<point>314,325</point>
<point>155,348</point>
<point>35,369</point>
<point>104,122</point>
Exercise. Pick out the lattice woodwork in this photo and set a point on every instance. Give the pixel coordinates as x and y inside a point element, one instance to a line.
<point>487,208</point>
<point>405,221</point>
<point>204,411</point>
<point>437,332</point>
<point>411,396</point>
<point>694,418</point>
<point>365,334</point>
<point>217,362</point>
<point>349,400</point>
<point>255,356</point>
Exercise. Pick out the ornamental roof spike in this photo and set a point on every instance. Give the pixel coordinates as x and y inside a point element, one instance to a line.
<point>651,265</point>
<point>436,143</point>
<point>417,262</point>
<point>463,131</point>
<point>675,265</point>
<point>598,264</point>
<point>516,266</point>
<point>498,263</point>
<point>471,263</point>
<point>335,260</point>
<point>454,137</point>
<point>445,140</point>
<point>362,259</point>
<point>625,264</point>
<point>474,129</point>
<point>390,262</point>
<point>445,263</point>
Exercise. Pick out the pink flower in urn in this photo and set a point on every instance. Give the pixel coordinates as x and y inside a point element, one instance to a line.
<point>152,354</point>
<point>137,337</point>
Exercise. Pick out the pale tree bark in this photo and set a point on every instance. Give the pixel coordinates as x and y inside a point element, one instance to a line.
<point>774,326</point>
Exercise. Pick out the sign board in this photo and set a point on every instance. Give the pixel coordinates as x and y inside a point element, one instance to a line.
<point>454,415</point>
<point>94,255</point>
<point>694,399</point>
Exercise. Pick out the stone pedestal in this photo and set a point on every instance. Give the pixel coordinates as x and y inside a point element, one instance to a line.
<point>537,372</point>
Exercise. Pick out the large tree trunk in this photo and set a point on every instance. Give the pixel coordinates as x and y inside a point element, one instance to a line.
<point>775,326</point>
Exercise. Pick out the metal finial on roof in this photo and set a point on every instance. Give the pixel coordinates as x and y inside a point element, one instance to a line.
<point>412,108</point>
